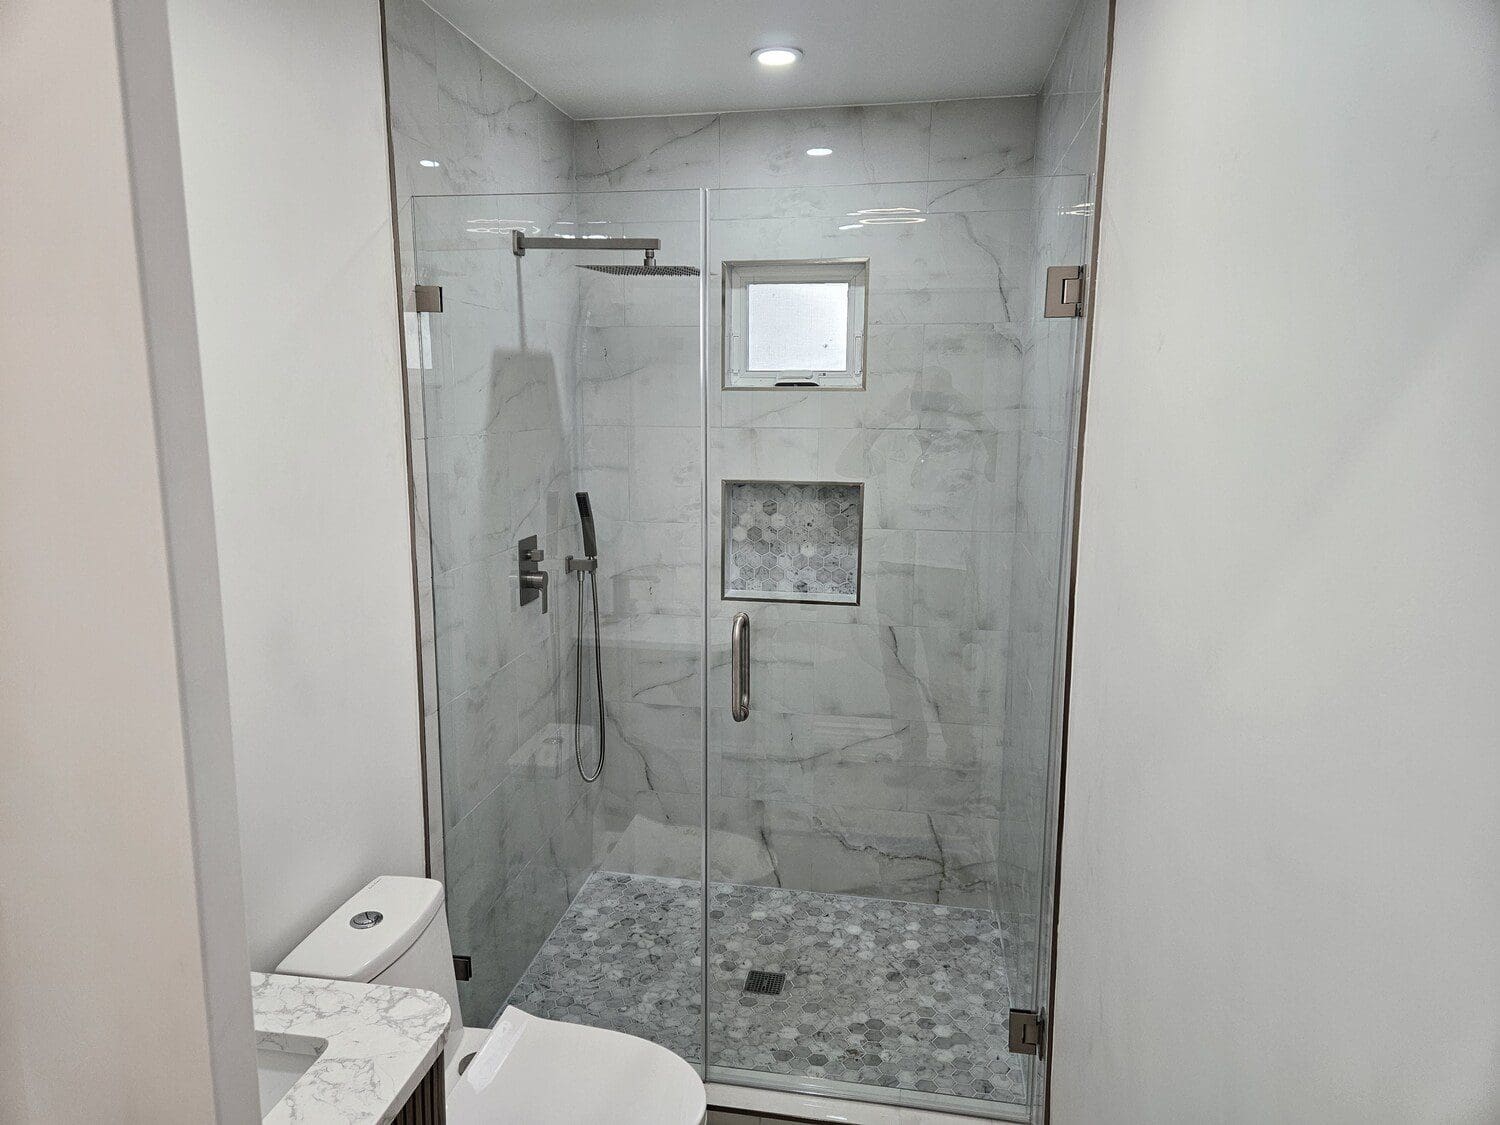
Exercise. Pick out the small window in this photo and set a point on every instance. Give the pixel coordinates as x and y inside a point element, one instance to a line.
<point>795,324</point>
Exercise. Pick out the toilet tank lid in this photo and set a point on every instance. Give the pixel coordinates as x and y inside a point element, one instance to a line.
<point>352,945</point>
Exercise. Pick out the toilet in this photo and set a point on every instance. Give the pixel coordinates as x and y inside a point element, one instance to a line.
<point>524,1069</point>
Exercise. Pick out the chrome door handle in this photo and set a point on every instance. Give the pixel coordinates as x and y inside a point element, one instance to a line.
<point>739,667</point>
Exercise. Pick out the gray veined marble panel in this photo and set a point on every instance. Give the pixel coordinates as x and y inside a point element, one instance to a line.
<point>472,514</point>
<point>647,376</point>
<point>411,41</point>
<point>933,674</point>
<point>825,203</point>
<point>890,853</point>
<point>871,144</point>
<point>940,480</point>
<point>648,568</point>
<point>982,137</point>
<point>604,466</point>
<point>658,658</point>
<point>858,762</point>
<point>764,451</point>
<point>646,152</point>
<point>478,730</point>
<point>666,474</point>
<point>654,749</point>
<point>792,541</point>
<point>911,303</point>
<point>971,377</point>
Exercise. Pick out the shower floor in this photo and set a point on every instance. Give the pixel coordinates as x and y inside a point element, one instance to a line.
<point>877,992</point>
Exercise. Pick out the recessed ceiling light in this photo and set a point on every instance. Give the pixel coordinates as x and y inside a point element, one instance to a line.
<point>820,152</point>
<point>428,163</point>
<point>776,56</point>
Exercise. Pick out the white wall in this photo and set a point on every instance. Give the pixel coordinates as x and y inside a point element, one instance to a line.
<point>123,986</point>
<point>288,198</point>
<point>1279,896</point>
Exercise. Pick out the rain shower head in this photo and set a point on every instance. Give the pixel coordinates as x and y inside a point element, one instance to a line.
<point>649,269</point>
<point>520,242</point>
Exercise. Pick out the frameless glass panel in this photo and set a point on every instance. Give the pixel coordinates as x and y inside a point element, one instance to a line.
<point>874,866</point>
<point>574,884</point>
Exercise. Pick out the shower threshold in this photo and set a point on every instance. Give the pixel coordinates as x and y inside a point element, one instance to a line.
<point>882,1000</point>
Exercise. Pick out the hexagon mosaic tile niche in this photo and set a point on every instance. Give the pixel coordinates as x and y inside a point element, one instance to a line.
<point>793,541</point>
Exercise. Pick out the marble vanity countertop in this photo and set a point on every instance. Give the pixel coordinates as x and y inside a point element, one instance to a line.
<point>380,1042</point>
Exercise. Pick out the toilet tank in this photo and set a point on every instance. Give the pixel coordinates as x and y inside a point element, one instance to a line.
<point>392,931</point>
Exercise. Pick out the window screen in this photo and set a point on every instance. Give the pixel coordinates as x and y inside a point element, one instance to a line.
<point>795,323</point>
<point>797,327</point>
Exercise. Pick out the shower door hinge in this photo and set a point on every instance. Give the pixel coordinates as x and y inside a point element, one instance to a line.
<point>1064,291</point>
<point>1025,1032</point>
<point>429,298</point>
<point>463,968</point>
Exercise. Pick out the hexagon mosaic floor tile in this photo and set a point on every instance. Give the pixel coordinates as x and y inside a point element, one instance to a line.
<point>792,541</point>
<point>877,992</point>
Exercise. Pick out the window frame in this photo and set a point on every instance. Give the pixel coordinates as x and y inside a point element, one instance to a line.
<point>739,275</point>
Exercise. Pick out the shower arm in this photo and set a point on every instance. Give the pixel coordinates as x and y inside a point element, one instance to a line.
<point>520,243</point>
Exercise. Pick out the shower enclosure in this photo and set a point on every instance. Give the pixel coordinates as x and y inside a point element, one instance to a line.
<point>851,422</point>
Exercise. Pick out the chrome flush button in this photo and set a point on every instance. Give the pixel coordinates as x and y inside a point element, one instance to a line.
<point>365,919</point>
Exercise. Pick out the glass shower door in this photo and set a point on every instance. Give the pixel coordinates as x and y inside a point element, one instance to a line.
<point>892,519</point>
<point>573,899</point>
<point>889,439</point>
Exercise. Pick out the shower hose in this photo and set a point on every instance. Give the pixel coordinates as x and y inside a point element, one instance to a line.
<point>578,680</point>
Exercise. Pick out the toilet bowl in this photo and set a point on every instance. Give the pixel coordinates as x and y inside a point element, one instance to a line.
<point>525,1069</point>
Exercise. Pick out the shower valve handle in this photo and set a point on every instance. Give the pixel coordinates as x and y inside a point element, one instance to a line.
<point>536,581</point>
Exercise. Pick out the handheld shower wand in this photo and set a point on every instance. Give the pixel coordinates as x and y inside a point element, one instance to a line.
<point>586,514</point>
<point>587,566</point>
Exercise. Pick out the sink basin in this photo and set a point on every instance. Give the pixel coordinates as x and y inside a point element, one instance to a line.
<point>279,1061</point>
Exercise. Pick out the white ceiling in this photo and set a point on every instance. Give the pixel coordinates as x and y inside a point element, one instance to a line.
<point>631,58</point>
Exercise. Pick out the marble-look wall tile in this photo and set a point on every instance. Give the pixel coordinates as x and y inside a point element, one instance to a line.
<point>918,857</point>
<point>934,437</point>
<point>1072,91</point>
<point>646,152</point>
<point>654,658</point>
<point>982,137</point>
<point>871,145</point>
<point>479,736</point>
<point>878,762</point>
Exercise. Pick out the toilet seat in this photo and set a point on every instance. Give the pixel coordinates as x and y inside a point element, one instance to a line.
<point>532,1070</point>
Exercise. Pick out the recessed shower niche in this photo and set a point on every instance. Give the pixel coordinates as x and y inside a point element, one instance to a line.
<point>793,541</point>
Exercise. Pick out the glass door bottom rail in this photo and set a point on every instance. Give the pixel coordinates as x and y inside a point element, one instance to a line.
<point>902,995</point>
